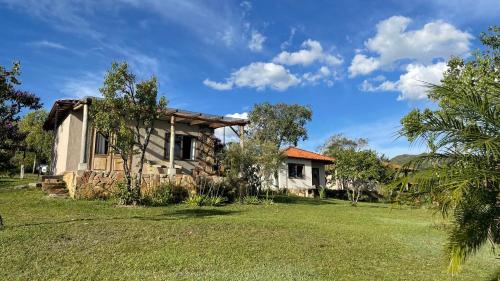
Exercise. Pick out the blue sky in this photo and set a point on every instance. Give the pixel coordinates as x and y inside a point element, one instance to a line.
<point>359,65</point>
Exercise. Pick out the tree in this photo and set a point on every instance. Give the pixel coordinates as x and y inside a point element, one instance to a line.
<point>241,163</point>
<point>37,141</point>
<point>461,171</point>
<point>356,169</point>
<point>271,128</point>
<point>126,115</point>
<point>279,124</point>
<point>12,102</point>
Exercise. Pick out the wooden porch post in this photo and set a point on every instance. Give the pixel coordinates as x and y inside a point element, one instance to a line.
<point>242,135</point>
<point>83,142</point>
<point>171,168</point>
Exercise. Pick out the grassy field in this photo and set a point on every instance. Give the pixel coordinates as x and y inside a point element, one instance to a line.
<point>63,239</point>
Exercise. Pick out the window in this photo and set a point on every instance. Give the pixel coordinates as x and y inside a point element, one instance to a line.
<point>101,144</point>
<point>295,170</point>
<point>184,147</point>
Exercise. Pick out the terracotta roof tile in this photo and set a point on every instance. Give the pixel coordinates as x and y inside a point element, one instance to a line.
<point>304,154</point>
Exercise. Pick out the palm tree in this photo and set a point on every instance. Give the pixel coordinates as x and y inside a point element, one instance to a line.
<point>461,172</point>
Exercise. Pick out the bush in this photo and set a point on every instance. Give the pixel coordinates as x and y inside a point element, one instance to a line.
<point>251,200</point>
<point>167,193</point>
<point>195,200</point>
<point>200,200</point>
<point>122,195</point>
<point>160,196</point>
<point>322,192</point>
<point>219,187</point>
<point>179,194</point>
<point>214,201</point>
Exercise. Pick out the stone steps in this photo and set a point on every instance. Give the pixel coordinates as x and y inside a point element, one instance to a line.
<point>54,186</point>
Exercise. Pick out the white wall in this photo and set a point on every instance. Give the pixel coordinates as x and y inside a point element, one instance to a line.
<point>306,181</point>
<point>67,144</point>
<point>289,183</point>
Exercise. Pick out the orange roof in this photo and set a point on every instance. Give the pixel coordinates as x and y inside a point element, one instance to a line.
<point>304,154</point>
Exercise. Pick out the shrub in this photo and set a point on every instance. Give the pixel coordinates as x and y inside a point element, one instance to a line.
<point>218,187</point>
<point>214,201</point>
<point>195,200</point>
<point>166,193</point>
<point>251,200</point>
<point>322,192</point>
<point>122,195</point>
<point>159,196</point>
<point>179,194</point>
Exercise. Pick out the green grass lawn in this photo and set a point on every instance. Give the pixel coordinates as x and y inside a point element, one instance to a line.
<point>63,239</point>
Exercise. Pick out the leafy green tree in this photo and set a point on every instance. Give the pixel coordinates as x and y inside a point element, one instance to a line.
<point>356,169</point>
<point>37,141</point>
<point>461,171</point>
<point>126,115</point>
<point>271,128</point>
<point>240,163</point>
<point>12,102</point>
<point>280,124</point>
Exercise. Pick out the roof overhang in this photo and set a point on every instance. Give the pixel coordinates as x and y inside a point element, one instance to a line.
<point>196,118</point>
<point>62,108</point>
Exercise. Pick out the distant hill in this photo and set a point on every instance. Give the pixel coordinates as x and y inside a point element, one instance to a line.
<point>403,159</point>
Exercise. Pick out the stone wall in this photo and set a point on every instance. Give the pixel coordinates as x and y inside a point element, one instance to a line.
<point>206,153</point>
<point>102,184</point>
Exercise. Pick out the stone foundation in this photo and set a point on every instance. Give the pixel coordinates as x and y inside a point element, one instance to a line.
<point>102,184</point>
<point>302,192</point>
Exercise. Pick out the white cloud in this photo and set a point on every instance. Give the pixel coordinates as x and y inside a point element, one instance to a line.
<point>393,43</point>
<point>226,133</point>
<point>259,75</point>
<point>220,86</point>
<point>84,86</point>
<point>368,86</point>
<point>362,64</point>
<point>288,42</point>
<point>256,41</point>
<point>412,84</point>
<point>311,52</point>
<point>49,44</point>
<point>323,74</point>
<point>436,39</point>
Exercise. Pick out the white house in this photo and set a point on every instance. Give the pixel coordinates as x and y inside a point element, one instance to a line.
<point>303,172</point>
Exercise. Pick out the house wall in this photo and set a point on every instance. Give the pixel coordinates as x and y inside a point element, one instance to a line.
<point>155,153</point>
<point>60,149</point>
<point>67,143</point>
<point>75,140</point>
<point>293,183</point>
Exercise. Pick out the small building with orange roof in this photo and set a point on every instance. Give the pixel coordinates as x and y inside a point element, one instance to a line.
<point>303,172</point>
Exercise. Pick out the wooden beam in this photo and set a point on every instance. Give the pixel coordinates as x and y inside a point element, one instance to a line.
<point>196,122</point>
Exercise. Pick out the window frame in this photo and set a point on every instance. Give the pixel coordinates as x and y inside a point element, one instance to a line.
<point>106,142</point>
<point>179,156</point>
<point>295,174</point>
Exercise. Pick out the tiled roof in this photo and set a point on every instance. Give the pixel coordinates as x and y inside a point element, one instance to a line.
<point>304,154</point>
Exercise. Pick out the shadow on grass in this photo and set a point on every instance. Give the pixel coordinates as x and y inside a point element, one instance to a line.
<point>284,199</point>
<point>175,215</point>
<point>196,213</point>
